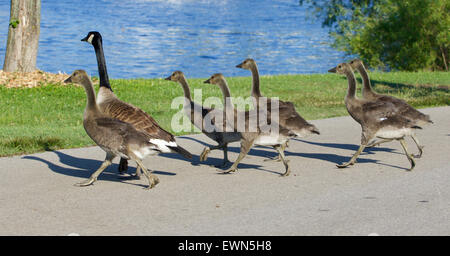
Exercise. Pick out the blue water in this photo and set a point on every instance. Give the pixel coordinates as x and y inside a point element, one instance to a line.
<point>152,38</point>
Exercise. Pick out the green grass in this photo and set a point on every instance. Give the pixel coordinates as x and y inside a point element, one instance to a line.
<point>50,117</point>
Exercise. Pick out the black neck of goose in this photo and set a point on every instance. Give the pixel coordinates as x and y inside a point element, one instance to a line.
<point>255,81</point>
<point>101,62</point>
<point>351,91</point>
<point>367,88</point>
<point>187,91</point>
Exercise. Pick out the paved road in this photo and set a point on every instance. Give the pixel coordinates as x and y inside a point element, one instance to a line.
<point>377,195</point>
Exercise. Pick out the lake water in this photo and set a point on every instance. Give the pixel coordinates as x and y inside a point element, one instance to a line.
<point>152,38</point>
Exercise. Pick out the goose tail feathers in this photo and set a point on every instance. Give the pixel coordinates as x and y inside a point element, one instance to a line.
<point>181,151</point>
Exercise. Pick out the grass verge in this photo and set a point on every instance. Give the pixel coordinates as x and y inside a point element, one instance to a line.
<point>50,117</point>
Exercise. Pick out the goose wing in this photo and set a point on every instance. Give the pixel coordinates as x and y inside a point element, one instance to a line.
<point>406,110</point>
<point>386,114</point>
<point>115,126</point>
<point>114,135</point>
<point>292,120</point>
<point>138,118</point>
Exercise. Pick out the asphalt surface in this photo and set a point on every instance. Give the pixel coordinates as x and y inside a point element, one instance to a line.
<point>376,196</point>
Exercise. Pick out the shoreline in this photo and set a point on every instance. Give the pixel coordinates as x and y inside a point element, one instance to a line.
<point>40,78</point>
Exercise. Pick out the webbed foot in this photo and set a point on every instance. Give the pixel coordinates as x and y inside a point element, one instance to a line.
<point>153,181</point>
<point>419,155</point>
<point>227,171</point>
<point>85,183</point>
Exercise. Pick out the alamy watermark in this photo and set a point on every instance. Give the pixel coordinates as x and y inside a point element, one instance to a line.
<point>236,114</point>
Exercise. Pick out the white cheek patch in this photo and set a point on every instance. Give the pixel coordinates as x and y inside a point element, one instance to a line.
<point>90,38</point>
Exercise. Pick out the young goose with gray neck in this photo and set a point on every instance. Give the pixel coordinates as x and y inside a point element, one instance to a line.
<point>288,116</point>
<point>378,119</point>
<point>400,106</point>
<point>115,137</point>
<point>248,137</point>
<point>113,107</point>
<point>197,113</point>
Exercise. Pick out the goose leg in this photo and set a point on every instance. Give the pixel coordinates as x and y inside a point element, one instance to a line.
<point>138,173</point>
<point>152,179</point>
<point>93,178</point>
<point>204,154</point>
<point>277,158</point>
<point>206,150</point>
<point>354,157</point>
<point>245,147</point>
<point>123,166</point>
<point>135,176</point>
<point>285,161</point>
<point>376,143</point>
<point>420,147</point>
<point>409,156</point>
<point>225,157</point>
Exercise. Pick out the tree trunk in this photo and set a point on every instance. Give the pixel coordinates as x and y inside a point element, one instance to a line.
<point>23,36</point>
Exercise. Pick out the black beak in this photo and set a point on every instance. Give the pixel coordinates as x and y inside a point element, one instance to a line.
<point>68,80</point>
<point>167,78</point>
<point>85,39</point>
<point>207,81</point>
<point>239,65</point>
<point>333,70</point>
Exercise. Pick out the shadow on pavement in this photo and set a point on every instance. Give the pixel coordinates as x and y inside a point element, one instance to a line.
<point>336,159</point>
<point>351,147</point>
<point>83,168</point>
<point>333,158</point>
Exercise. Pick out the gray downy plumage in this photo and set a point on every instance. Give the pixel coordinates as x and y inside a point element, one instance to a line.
<point>288,116</point>
<point>378,119</point>
<point>115,137</point>
<point>197,114</point>
<point>248,137</point>
<point>400,106</point>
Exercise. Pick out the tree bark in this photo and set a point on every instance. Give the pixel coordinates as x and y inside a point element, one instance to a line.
<point>23,36</point>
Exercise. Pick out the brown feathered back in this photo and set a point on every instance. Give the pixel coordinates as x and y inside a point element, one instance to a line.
<point>113,107</point>
<point>400,106</point>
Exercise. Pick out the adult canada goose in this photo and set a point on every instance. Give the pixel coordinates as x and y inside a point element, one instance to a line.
<point>115,137</point>
<point>113,107</point>
<point>249,137</point>
<point>288,116</point>
<point>400,105</point>
<point>378,119</point>
<point>197,113</point>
